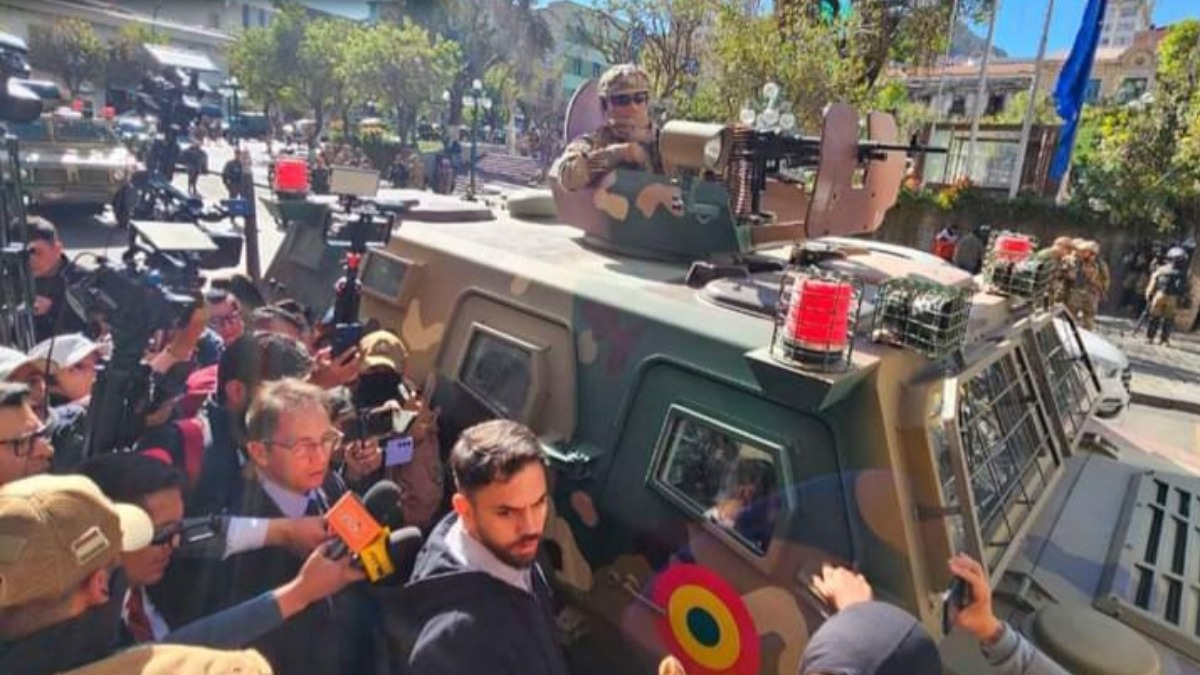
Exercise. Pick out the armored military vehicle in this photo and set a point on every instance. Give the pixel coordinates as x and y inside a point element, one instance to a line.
<point>730,401</point>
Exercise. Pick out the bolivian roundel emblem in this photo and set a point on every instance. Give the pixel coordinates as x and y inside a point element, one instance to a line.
<point>704,622</point>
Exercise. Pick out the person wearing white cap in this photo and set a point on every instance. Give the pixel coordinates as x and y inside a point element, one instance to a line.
<point>75,357</point>
<point>20,368</point>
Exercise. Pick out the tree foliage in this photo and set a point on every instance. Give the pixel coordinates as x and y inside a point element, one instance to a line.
<point>1138,162</point>
<point>126,62</point>
<point>666,37</point>
<point>69,50</point>
<point>404,67</point>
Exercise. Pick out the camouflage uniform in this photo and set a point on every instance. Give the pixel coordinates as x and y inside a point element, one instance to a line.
<point>1089,285</point>
<point>1063,273</point>
<point>612,146</point>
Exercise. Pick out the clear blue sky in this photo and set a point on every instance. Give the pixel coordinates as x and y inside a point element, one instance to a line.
<point>1019,25</point>
<point>1017,29</point>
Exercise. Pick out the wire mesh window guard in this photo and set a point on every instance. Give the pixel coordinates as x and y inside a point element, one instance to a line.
<point>1007,448</point>
<point>1070,383</point>
<point>1012,268</point>
<point>926,317</point>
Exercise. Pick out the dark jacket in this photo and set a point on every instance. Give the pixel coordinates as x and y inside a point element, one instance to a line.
<point>62,318</point>
<point>71,644</point>
<point>331,636</point>
<point>452,620</point>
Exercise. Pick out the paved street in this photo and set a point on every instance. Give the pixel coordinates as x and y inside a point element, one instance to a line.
<point>1163,376</point>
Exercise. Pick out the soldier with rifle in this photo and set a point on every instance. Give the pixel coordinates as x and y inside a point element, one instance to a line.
<point>1167,285</point>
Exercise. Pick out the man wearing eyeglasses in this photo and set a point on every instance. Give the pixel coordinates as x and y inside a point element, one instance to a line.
<point>290,438</point>
<point>24,441</point>
<point>627,139</point>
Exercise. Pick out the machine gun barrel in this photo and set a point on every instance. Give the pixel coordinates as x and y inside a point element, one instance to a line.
<point>800,150</point>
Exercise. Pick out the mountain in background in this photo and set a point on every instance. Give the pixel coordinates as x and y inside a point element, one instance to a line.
<point>968,43</point>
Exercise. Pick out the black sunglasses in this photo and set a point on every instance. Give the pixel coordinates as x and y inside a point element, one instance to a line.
<point>622,100</point>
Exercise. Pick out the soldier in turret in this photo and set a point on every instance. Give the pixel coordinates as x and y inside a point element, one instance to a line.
<point>627,139</point>
<point>1167,285</point>
<point>1090,283</point>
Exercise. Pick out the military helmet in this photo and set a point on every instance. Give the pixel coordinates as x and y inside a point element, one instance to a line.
<point>1176,253</point>
<point>623,77</point>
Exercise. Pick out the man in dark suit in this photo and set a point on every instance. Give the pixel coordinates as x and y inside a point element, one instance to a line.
<point>290,437</point>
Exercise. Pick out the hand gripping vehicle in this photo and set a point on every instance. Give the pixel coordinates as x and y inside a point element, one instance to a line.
<point>730,399</point>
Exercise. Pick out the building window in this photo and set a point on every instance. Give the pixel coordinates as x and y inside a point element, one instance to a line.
<point>995,104</point>
<point>214,20</point>
<point>577,66</point>
<point>1091,93</point>
<point>717,474</point>
<point>958,106</point>
<point>1131,88</point>
<point>1128,12</point>
<point>245,15</point>
<point>596,67</point>
<point>1105,42</point>
<point>262,17</point>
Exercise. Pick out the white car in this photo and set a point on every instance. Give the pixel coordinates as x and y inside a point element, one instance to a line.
<point>1111,366</point>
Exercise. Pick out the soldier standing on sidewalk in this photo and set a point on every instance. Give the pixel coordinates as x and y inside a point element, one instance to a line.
<point>1167,285</point>
<point>1090,283</point>
<point>1063,273</point>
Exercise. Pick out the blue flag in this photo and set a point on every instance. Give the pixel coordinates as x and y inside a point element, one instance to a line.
<point>1071,87</point>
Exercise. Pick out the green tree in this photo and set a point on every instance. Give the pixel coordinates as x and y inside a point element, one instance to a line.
<point>666,37</point>
<point>1014,112</point>
<point>888,31</point>
<point>488,33</point>
<point>321,72</point>
<point>126,62</point>
<point>69,50</point>
<point>1137,162</point>
<point>405,67</point>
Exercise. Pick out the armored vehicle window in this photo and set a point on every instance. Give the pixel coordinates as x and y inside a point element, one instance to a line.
<point>499,372</point>
<point>68,129</point>
<point>724,478</point>
<point>30,131</point>
<point>384,275</point>
<point>1009,458</point>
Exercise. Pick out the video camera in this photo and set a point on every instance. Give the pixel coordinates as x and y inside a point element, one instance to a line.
<point>156,286</point>
<point>17,102</point>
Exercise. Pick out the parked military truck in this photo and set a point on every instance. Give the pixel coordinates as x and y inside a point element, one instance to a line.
<point>709,458</point>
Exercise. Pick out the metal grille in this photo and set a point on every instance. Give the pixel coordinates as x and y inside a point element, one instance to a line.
<point>1070,381</point>
<point>94,176</point>
<point>1152,576</point>
<point>49,175</point>
<point>1009,459</point>
<point>928,318</point>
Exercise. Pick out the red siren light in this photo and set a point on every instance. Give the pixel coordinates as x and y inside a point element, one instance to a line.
<point>1013,247</point>
<point>815,319</point>
<point>77,105</point>
<point>291,175</point>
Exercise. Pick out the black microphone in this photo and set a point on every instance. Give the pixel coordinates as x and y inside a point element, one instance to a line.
<point>383,502</point>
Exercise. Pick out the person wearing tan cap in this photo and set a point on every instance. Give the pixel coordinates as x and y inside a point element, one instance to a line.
<point>61,540</point>
<point>1090,284</point>
<point>419,471</point>
<point>627,139</point>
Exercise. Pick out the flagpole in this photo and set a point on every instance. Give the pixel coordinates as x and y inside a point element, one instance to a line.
<point>981,91</point>
<point>1027,125</point>
<point>942,86</point>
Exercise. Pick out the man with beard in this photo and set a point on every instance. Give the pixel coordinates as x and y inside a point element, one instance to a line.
<point>627,139</point>
<point>477,601</point>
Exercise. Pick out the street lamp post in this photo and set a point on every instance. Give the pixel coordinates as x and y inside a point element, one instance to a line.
<point>475,99</point>
<point>232,86</point>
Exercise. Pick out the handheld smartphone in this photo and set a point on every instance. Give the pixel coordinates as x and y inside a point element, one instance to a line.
<point>953,600</point>
<point>379,423</point>
<point>345,337</point>
<point>398,451</point>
